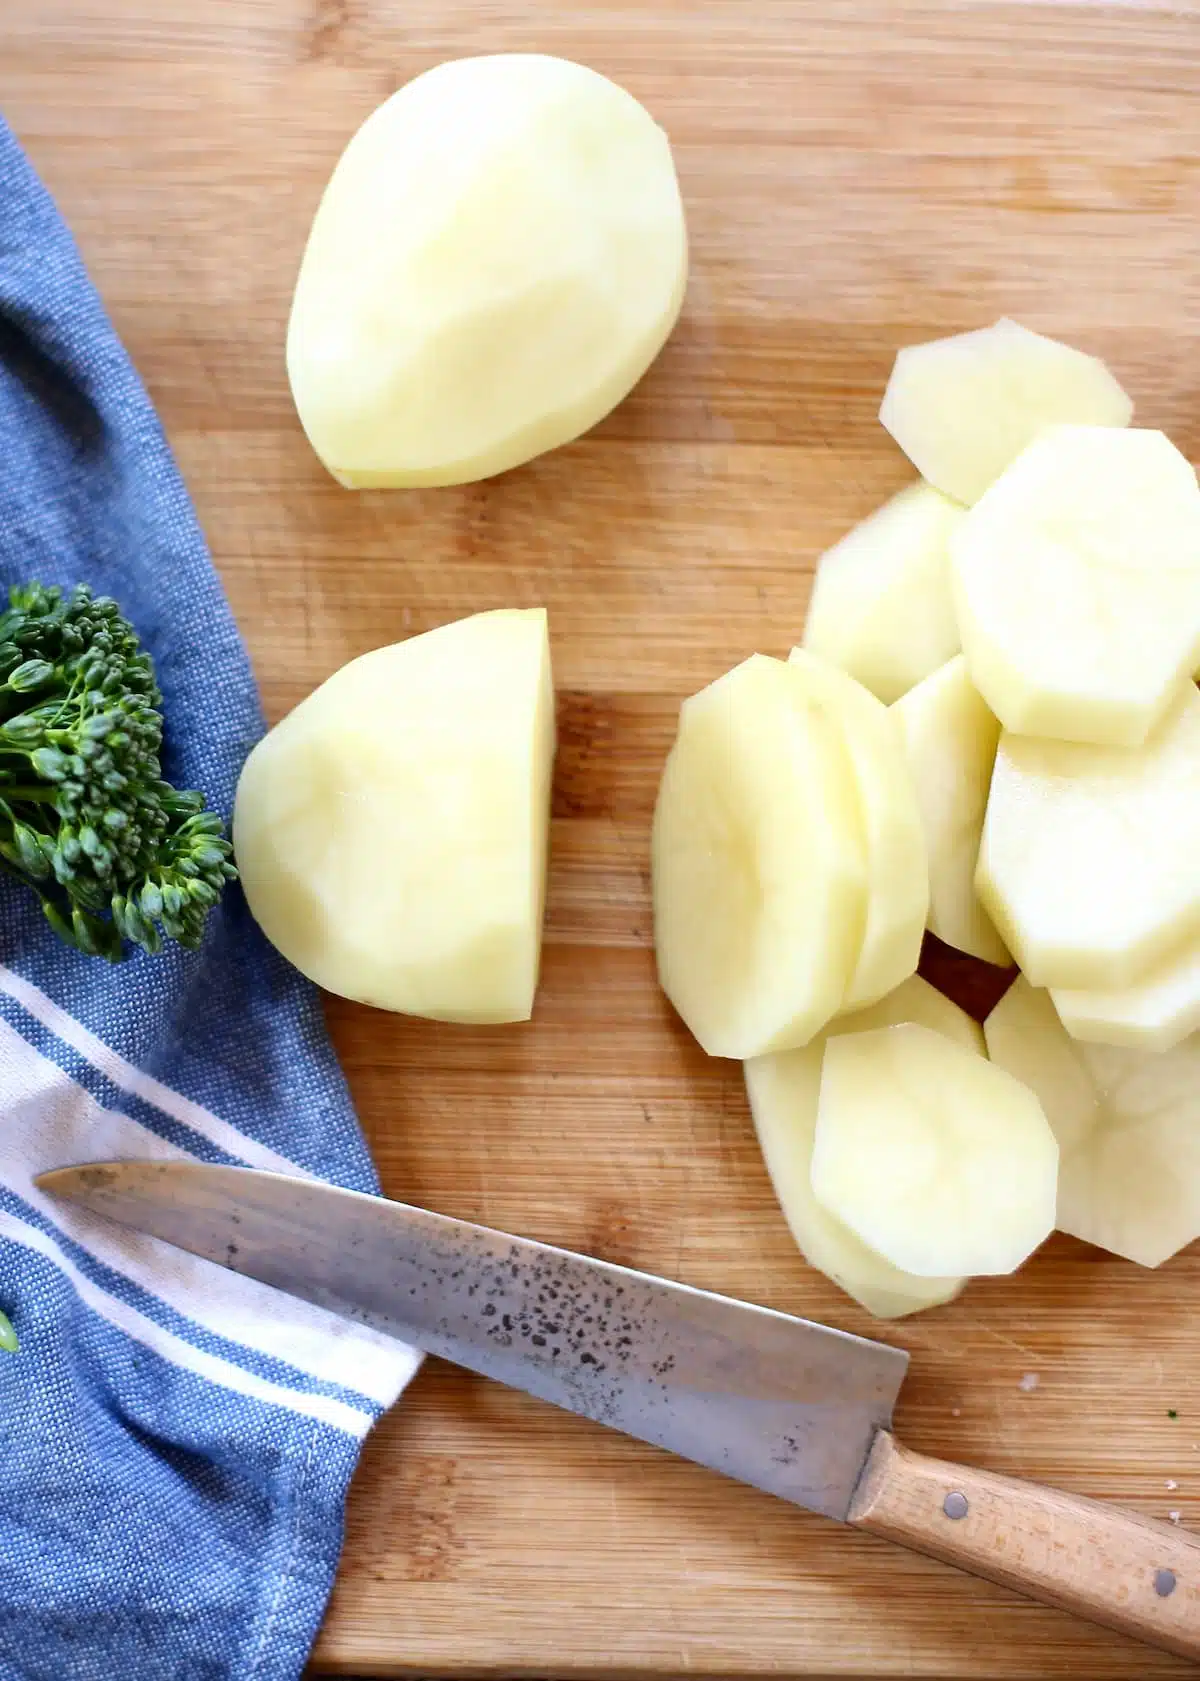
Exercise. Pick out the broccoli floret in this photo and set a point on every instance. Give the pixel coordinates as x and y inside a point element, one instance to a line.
<point>114,853</point>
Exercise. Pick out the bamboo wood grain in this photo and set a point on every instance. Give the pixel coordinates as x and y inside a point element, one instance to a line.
<point>858,174</point>
<point>1112,1567</point>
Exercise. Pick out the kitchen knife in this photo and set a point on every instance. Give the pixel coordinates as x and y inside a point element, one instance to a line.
<point>794,1408</point>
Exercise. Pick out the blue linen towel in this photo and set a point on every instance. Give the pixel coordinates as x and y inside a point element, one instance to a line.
<point>175,1442</point>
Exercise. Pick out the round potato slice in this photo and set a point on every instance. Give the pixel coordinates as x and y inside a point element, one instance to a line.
<point>897,864</point>
<point>882,608</point>
<point>496,260</point>
<point>1127,1123</point>
<point>1088,861</point>
<point>950,742</point>
<point>963,408</point>
<point>1077,585</point>
<point>783,1090</point>
<point>759,864</point>
<point>391,831</point>
<point>937,1160</point>
<point>1152,1015</point>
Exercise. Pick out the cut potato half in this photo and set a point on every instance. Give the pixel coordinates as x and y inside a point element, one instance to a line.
<point>950,742</point>
<point>935,1159</point>
<point>1077,585</point>
<point>897,864</point>
<point>391,831</point>
<point>1127,1122</point>
<point>1152,1015</point>
<point>963,408</point>
<point>1089,856</point>
<point>882,607</point>
<point>784,1090</point>
<point>759,864</point>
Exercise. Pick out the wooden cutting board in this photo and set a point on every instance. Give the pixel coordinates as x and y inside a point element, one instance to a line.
<point>859,174</point>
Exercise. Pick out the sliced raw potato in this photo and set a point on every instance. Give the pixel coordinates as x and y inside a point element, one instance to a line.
<point>882,606</point>
<point>1153,1014</point>
<point>1089,856</point>
<point>391,831</point>
<point>950,740</point>
<point>897,865</point>
<point>1127,1123</point>
<point>938,1161</point>
<point>497,259</point>
<point>784,1091</point>
<point>759,863</point>
<point>963,408</point>
<point>1077,585</point>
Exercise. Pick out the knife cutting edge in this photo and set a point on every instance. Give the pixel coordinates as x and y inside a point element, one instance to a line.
<point>793,1408</point>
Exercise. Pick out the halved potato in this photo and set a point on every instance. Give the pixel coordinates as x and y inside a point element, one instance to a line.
<point>1153,1014</point>
<point>1127,1122</point>
<point>783,1090</point>
<point>1089,856</point>
<point>882,607</point>
<point>963,408</point>
<point>1077,585</point>
<point>759,864</point>
<point>897,864</point>
<point>934,1158</point>
<point>391,831</point>
<point>950,742</point>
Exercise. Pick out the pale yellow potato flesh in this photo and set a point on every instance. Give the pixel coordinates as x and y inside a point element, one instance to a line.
<point>1127,1123</point>
<point>759,864</point>
<point>783,1090</point>
<point>1088,863</point>
<point>1077,585</point>
<point>935,1159</point>
<point>950,742</point>
<point>391,832</point>
<point>1153,1014</point>
<point>882,607</point>
<point>897,865</point>
<point>498,257</point>
<point>963,408</point>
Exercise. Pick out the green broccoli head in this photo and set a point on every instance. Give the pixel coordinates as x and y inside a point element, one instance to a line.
<point>114,853</point>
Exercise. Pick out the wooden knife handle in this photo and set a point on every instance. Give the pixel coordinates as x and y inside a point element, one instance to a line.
<point>1127,1572</point>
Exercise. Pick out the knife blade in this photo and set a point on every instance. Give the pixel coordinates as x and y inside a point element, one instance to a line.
<point>791,1407</point>
<point>788,1406</point>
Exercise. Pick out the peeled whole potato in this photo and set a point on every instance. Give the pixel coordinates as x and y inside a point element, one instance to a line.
<point>963,408</point>
<point>759,864</point>
<point>1127,1123</point>
<point>498,257</point>
<point>935,1159</point>
<point>950,741</point>
<point>882,607</point>
<point>1153,1014</point>
<point>1089,856</point>
<point>784,1090</point>
<point>897,863</point>
<point>391,831</point>
<point>1077,585</point>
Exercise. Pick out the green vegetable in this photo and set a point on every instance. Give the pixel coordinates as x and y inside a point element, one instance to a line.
<point>8,1337</point>
<point>113,852</point>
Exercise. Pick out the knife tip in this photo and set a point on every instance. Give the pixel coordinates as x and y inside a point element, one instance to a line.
<point>84,1179</point>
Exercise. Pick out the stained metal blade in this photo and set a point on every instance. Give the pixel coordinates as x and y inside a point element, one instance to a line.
<point>786,1405</point>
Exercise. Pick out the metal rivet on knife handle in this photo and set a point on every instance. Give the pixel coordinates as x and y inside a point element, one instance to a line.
<point>956,1505</point>
<point>1164,1582</point>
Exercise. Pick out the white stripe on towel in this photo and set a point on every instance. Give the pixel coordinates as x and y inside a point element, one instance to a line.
<point>50,1121</point>
<point>133,1080</point>
<point>324,1408</point>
